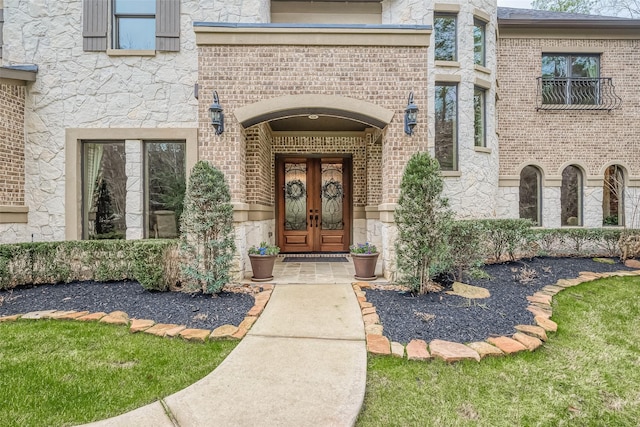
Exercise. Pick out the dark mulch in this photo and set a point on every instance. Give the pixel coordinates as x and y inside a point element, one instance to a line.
<point>192,310</point>
<point>406,317</point>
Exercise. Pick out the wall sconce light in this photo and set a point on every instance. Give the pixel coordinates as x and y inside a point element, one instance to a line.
<point>410,115</point>
<point>216,114</point>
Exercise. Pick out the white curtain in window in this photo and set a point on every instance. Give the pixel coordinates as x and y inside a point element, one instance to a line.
<point>92,161</point>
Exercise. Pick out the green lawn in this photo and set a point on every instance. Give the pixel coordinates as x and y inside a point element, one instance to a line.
<point>56,373</point>
<point>588,374</point>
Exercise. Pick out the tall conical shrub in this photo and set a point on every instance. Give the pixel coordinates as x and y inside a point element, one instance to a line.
<point>206,226</point>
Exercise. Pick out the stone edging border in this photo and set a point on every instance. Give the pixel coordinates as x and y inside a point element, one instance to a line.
<point>527,337</point>
<point>167,330</point>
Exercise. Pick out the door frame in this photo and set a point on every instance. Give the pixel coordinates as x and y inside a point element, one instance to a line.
<point>347,162</point>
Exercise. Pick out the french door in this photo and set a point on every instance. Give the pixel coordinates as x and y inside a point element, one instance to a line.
<point>314,204</point>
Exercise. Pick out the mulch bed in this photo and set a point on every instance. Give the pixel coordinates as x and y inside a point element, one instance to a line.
<point>453,318</point>
<point>192,310</point>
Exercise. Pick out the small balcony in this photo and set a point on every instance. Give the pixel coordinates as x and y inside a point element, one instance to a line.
<point>576,93</point>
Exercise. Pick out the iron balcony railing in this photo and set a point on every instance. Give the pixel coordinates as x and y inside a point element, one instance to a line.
<point>576,93</point>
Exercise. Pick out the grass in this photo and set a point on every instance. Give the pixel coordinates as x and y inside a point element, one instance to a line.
<point>587,374</point>
<point>57,373</point>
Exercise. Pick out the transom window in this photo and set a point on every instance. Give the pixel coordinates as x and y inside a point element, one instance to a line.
<point>479,42</point>
<point>445,37</point>
<point>570,79</point>
<point>134,24</point>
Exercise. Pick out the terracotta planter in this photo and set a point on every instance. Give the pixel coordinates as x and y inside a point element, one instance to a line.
<point>365,266</point>
<point>262,266</point>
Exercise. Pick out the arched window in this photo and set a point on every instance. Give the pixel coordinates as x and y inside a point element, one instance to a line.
<point>530,194</point>
<point>613,196</point>
<point>571,196</point>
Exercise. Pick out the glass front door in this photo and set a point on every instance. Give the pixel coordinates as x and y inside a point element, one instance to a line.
<point>313,204</point>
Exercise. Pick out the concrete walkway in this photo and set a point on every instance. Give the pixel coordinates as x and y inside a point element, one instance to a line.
<point>302,364</point>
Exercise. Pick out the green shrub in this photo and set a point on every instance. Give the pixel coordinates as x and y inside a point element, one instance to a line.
<point>102,260</point>
<point>506,236</point>
<point>424,220</point>
<point>207,230</point>
<point>465,248</point>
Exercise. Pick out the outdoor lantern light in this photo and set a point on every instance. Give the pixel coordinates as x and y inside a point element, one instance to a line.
<point>216,114</point>
<point>410,116</point>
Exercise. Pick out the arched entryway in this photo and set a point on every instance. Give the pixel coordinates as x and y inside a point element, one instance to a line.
<point>314,162</point>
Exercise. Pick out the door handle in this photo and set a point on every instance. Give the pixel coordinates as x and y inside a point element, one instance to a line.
<point>316,220</point>
<point>311,220</point>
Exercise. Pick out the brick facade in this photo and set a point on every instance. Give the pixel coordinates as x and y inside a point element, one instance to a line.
<point>12,102</point>
<point>242,75</point>
<point>591,139</point>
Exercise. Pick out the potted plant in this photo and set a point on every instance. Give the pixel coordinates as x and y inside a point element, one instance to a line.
<point>262,258</point>
<point>364,256</point>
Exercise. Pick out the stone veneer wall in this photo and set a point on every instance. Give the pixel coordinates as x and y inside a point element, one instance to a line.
<point>551,140</point>
<point>77,89</point>
<point>11,144</point>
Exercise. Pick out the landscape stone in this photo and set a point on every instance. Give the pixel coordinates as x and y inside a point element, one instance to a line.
<point>546,323</point>
<point>11,318</point>
<point>527,340</point>
<point>247,322</point>
<point>567,283</point>
<point>468,291</point>
<point>368,310</point>
<point>452,351</point>
<point>371,319</point>
<point>160,329</point>
<point>224,332</point>
<point>537,311</point>
<point>632,263</point>
<point>138,325</point>
<point>506,344</point>
<point>72,315</point>
<point>552,289</point>
<point>255,310</point>
<point>116,318</point>
<point>62,314</point>
<point>267,287</point>
<point>534,331</point>
<point>397,349</point>
<point>540,298</point>
<point>195,334</point>
<point>173,332</point>
<point>378,344</point>
<point>92,317</point>
<point>365,304</point>
<point>485,349</point>
<point>364,285</point>
<point>356,288</point>
<point>417,350</point>
<point>374,329</point>
<point>35,315</point>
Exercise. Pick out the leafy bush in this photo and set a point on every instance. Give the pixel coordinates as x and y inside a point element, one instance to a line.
<point>207,230</point>
<point>424,220</point>
<point>105,260</point>
<point>465,248</point>
<point>507,236</point>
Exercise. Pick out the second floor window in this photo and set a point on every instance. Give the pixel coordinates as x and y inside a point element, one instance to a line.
<point>479,121</point>
<point>445,37</point>
<point>479,55</point>
<point>570,79</point>
<point>135,24</point>
<point>446,126</point>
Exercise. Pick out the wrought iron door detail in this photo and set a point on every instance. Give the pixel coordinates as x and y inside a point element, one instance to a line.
<point>332,195</point>
<point>295,196</point>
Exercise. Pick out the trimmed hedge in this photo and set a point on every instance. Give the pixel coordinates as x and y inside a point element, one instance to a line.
<point>150,262</point>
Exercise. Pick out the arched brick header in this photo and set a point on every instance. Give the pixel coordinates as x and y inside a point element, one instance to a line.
<point>299,105</point>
